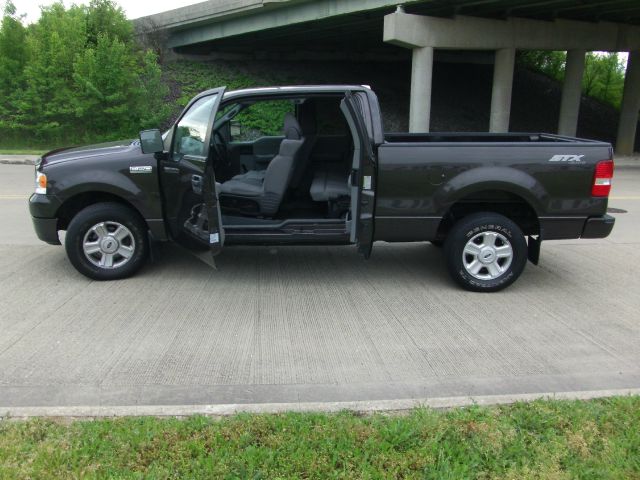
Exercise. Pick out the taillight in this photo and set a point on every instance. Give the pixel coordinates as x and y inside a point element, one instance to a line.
<point>602,179</point>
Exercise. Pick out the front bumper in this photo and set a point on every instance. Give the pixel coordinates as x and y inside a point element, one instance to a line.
<point>43,209</point>
<point>598,227</point>
<point>46,229</point>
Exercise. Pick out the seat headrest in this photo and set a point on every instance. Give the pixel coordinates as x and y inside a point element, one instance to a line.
<point>292,130</point>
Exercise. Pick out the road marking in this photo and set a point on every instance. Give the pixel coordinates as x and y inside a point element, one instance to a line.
<point>630,197</point>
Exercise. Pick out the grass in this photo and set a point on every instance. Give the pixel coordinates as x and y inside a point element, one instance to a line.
<point>544,439</point>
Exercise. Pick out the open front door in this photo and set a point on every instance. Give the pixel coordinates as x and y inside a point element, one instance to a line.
<point>188,182</point>
<point>363,174</point>
<point>212,205</point>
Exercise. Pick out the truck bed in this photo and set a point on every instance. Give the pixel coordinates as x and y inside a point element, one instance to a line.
<point>481,137</point>
<point>423,176</point>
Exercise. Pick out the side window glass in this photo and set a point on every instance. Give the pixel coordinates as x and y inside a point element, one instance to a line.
<point>262,119</point>
<point>191,131</point>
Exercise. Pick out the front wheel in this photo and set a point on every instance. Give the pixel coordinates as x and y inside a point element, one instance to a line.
<point>107,241</point>
<point>485,252</point>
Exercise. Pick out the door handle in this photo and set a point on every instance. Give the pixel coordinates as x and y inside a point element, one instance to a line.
<point>196,184</point>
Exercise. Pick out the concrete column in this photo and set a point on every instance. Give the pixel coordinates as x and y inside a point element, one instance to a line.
<point>571,93</point>
<point>421,77</point>
<point>502,86</point>
<point>630,106</point>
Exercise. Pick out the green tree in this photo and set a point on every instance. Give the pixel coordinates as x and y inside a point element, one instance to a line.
<point>117,92</point>
<point>106,80</point>
<point>152,92</point>
<point>13,58</point>
<point>47,104</point>
<point>76,75</point>
<point>105,17</point>
<point>551,63</point>
<point>603,73</point>
<point>604,77</point>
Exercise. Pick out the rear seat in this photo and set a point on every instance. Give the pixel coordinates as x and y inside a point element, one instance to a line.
<point>329,184</point>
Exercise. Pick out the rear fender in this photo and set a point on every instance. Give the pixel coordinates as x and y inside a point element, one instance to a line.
<point>481,179</point>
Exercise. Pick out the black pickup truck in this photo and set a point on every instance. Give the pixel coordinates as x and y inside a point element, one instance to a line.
<point>326,173</point>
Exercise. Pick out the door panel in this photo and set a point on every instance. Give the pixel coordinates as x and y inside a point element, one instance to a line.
<point>187,178</point>
<point>363,178</point>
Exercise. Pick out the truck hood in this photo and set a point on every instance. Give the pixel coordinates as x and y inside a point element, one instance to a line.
<point>106,150</point>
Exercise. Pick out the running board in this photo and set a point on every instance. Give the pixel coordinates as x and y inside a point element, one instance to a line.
<point>290,222</point>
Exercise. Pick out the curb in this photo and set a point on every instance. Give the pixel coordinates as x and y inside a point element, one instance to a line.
<point>362,407</point>
<point>7,160</point>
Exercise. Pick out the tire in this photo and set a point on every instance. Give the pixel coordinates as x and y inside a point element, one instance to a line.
<point>107,241</point>
<point>485,252</point>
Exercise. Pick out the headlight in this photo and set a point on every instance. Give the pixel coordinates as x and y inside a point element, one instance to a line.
<point>41,183</point>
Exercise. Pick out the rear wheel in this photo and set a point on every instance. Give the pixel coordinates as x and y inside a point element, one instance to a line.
<point>485,252</point>
<point>107,241</point>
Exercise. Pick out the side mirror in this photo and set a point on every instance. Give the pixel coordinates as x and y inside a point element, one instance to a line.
<point>151,141</point>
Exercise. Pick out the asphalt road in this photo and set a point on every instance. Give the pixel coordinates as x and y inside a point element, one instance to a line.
<point>312,324</point>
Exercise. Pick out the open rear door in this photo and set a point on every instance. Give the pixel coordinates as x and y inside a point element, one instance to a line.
<point>363,177</point>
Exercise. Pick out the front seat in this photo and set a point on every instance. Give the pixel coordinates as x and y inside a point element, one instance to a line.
<point>267,191</point>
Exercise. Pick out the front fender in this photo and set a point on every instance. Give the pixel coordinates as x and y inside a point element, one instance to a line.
<point>96,181</point>
<point>69,179</point>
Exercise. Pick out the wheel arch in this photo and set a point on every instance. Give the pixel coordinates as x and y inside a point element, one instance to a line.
<point>498,200</point>
<point>73,205</point>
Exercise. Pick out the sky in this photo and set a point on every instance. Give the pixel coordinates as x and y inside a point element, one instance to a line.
<point>133,9</point>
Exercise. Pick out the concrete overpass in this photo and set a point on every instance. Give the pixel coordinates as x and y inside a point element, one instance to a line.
<point>424,27</point>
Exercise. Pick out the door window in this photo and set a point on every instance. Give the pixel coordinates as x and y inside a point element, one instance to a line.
<point>262,119</point>
<point>191,131</point>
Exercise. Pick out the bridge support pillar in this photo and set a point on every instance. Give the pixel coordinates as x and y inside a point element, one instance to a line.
<point>421,79</point>
<point>502,87</point>
<point>571,93</point>
<point>630,106</point>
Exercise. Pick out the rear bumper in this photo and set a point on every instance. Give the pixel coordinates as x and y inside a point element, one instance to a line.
<point>43,209</point>
<point>598,227</point>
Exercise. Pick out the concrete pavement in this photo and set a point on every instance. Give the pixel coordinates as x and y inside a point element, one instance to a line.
<point>312,324</point>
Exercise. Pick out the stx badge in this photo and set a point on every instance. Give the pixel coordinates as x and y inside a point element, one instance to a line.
<point>566,158</point>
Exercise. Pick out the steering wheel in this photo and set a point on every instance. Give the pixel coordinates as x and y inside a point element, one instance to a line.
<point>220,145</point>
